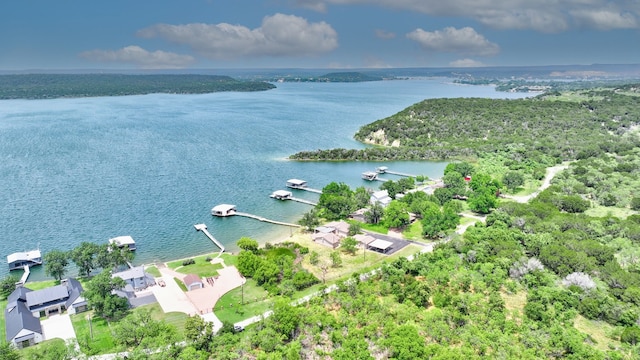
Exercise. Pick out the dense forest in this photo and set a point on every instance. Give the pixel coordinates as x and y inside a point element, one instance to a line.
<point>50,86</point>
<point>548,128</point>
<point>334,77</point>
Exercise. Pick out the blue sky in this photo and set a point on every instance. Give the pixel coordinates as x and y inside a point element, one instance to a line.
<point>339,34</point>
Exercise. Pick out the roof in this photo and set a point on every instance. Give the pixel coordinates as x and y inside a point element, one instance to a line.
<point>122,240</point>
<point>363,238</point>
<point>341,226</point>
<point>282,193</point>
<point>44,296</point>
<point>17,318</point>
<point>324,229</point>
<point>20,293</point>
<point>136,272</point>
<point>378,195</point>
<point>380,244</point>
<point>223,207</point>
<point>27,255</point>
<point>331,238</point>
<point>296,181</point>
<point>192,279</point>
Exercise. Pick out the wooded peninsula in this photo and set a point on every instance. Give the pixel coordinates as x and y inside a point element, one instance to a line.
<point>51,86</point>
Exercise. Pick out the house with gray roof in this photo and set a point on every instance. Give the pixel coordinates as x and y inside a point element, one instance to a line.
<point>22,328</point>
<point>136,278</point>
<point>57,299</point>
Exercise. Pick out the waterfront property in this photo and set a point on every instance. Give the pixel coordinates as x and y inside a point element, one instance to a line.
<point>331,233</point>
<point>26,306</point>
<point>18,260</point>
<point>380,197</point>
<point>223,210</point>
<point>136,278</point>
<point>124,242</point>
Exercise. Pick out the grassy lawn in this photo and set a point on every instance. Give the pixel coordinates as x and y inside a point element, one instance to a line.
<point>39,285</point>
<point>176,319</point>
<point>598,331</point>
<point>34,352</point>
<point>153,271</point>
<point>182,286</point>
<point>202,267</point>
<point>96,339</point>
<point>3,305</point>
<point>414,231</point>
<point>230,260</point>
<point>256,302</point>
<point>379,228</point>
<point>602,211</point>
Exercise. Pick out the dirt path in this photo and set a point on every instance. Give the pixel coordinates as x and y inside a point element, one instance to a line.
<point>546,182</point>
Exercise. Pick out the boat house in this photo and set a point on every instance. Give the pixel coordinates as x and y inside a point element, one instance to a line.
<point>382,169</point>
<point>369,175</point>
<point>124,242</point>
<point>296,184</point>
<point>20,259</point>
<point>282,195</point>
<point>223,210</point>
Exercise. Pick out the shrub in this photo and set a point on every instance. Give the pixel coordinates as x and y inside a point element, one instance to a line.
<point>580,280</point>
<point>188,262</point>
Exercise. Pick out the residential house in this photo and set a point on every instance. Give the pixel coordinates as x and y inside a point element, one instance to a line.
<point>380,197</point>
<point>136,278</point>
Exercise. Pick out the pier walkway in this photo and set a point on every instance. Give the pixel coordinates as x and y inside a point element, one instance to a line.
<point>399,173</point>
<point>203,228</point>
<point>25,276</point>
<point>265,219</point>
<point>303,201</point>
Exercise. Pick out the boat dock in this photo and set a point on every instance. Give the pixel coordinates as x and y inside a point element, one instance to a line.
<point>301,185</point>
<point>25,276</point>
<point>265,219</point>
<point>203,228</point>
<point>385,170</point>
<point>372,176</point>
<point>287,195</point>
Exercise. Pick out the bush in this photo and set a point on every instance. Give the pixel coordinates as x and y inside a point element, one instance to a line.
<point>188,262</point>
<point>631,335</point>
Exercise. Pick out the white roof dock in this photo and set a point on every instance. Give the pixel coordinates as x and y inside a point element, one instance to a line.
<point>33,255</point>
<point>282,194</point>
<point>223,210</point>
<point>122,241</point>
<point>296,183</point>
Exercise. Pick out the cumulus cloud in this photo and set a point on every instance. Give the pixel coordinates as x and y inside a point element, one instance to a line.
<point>140,57</point>
<point>540,15</point>
<point>278,35</point>
<point>466,63</point>
<point>382,34</point>
<point>463,41</point>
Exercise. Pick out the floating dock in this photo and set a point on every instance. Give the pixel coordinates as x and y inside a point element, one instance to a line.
<point>265,219</point>
<point>287,195</point>
<point>372,176</point>
<point>301,185</point>
<point>203,228</point>
<point>385,170</point>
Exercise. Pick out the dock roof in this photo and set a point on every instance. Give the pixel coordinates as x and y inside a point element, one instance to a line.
<point>296,182</point>
<point>26,255</point>
<point>223,207</point>
<point>122,240</point>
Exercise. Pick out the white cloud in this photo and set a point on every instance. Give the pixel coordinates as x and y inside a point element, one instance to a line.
<point>605,19</point>
<point>279,35</point>
<point>466,63</point>
<point>462,41</point>
<point>382,34</point>
<point>140,57</point>
<point>540,15</point>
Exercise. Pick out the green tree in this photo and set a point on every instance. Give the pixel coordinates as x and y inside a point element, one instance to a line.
<point>110,256</point>
<point>310,219</point>
<point>313,257</point>
<point>361,196</point>
<point>454,181</point>
<point>83,256</point>
<point>396,214</point>
<point>248,263</point>
<point>285,318</point>
<point>139,329</point>
<point>336,260</point>
<point>392,187</point>
<point>482,202</point>
<point>199,332</point>
<point>248,244</point>
<point>354,228</point>
<point>635,203</point>
<point>512,180</point>
<point>7,285</point>
<point>349,244</point>
<point>101,299</point>
<point>55,263</point>
<point>336,201</point>
<point>374,214</point>
<point>8,352</point>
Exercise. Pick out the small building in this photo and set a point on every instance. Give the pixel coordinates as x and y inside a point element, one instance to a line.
<point>126,242</point>
<point>282,195</point>
<point>358,215</point>
<point>18,260</point>
<point>326,238</point>
<point>296,184</point>
<point>223,210</point>
<point>192,282</point>
<point>369,175</point>
<point>379,245</point>
<point>380,197</point>
<point>364,240</point>
<point>136,278</point>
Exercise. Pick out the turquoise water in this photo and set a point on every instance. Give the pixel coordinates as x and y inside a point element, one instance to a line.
<point>152,166</point>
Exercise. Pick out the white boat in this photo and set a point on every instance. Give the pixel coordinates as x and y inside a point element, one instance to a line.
<point>18,260</point>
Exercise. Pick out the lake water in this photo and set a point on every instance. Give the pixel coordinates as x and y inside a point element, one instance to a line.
<point>152,166</point>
